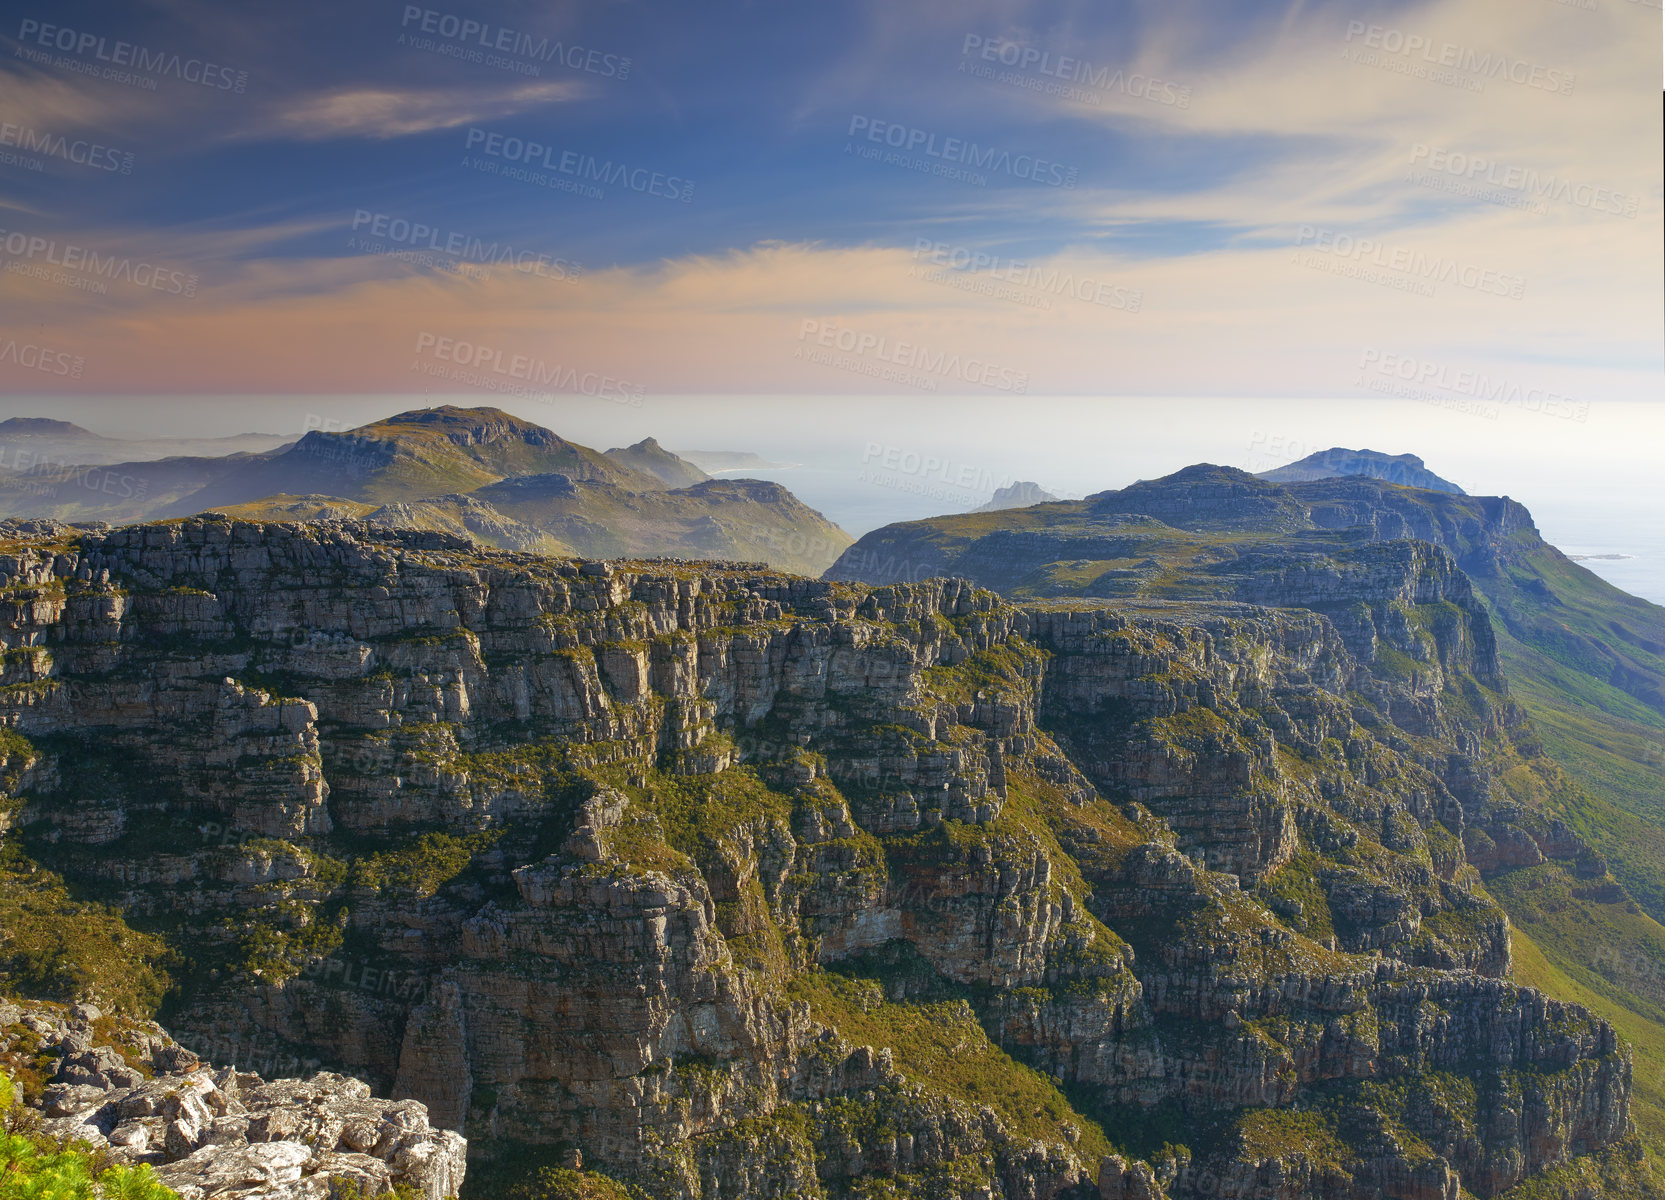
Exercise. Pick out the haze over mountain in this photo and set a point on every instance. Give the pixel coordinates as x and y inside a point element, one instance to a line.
<point>728,460</point>
<point>479,471</point>
<point>1405,469</point>
<point>648,456</point>
<point>28,441</point>
<point>1017,495</point>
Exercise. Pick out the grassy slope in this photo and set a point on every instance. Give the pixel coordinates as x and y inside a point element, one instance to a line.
<point>1605,956</point>
<point>727,519</point>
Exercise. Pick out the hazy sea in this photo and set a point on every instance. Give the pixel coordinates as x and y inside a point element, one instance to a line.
<point>1582,526</point>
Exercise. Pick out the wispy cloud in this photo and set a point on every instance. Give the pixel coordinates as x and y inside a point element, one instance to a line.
<point>387,112</point>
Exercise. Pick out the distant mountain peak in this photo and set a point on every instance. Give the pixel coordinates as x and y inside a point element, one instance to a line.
<point>1022,494</point>
<point>649,457</point>
<point>42,426</point>
<point>468,426</point>
<point>1406,470</point>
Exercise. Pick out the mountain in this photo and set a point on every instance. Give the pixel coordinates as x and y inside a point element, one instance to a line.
<point>1407,470</point>
<point>650,458</point>
<point>707,881</point>
<point>1018,495</point>
<point>1584,661</point>
<point>508,482</point>
<point>27,442</point>
<point>745,520</point>
<point>412,456</point>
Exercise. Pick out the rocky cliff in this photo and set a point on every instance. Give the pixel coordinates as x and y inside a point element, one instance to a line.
<point>731,884</point>
<point>132,1093</point>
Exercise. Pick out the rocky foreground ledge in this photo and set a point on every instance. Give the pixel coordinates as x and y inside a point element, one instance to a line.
<point>130,1090</point>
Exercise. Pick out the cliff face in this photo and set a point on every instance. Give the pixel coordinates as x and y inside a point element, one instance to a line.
<point>738,884</point>
<point>1586,661</point>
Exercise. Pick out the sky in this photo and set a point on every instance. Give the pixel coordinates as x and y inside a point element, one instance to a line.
<point>1449,203</point>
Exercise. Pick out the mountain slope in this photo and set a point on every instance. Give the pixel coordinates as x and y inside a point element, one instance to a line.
<point>1021,494</point>
<point>27,441</point>
<point>412,456</point>
<point>744,520</point>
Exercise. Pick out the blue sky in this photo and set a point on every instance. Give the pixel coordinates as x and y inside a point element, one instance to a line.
<point>1172,198</point>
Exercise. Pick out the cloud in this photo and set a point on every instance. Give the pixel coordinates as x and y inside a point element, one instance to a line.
<point>387,112</point>
<point>1197,210</point>
<point>42,101</point>
<point>1235,321</point>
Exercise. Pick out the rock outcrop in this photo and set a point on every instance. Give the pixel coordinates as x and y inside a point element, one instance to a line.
<point>132,1093</point>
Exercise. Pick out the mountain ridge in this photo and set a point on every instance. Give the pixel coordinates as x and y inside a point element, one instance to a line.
<point>448,468</point>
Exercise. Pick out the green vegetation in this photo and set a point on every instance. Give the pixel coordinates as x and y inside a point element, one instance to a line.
<point>1628,1169</point>
<point>40,1168</point>
<point>423,867</point>
<point>560,1183</point>
<point>54,946</point>
<point>347,1189</point>
<point>943,1044</point>
<point>1608,961</point>
<point>500,1171</point>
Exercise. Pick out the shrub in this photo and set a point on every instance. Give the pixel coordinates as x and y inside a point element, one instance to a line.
<point>37,1168</point>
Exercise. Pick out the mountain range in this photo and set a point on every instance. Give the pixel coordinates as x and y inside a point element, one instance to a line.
<point>1216,836</point>
<point>501,479</point>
